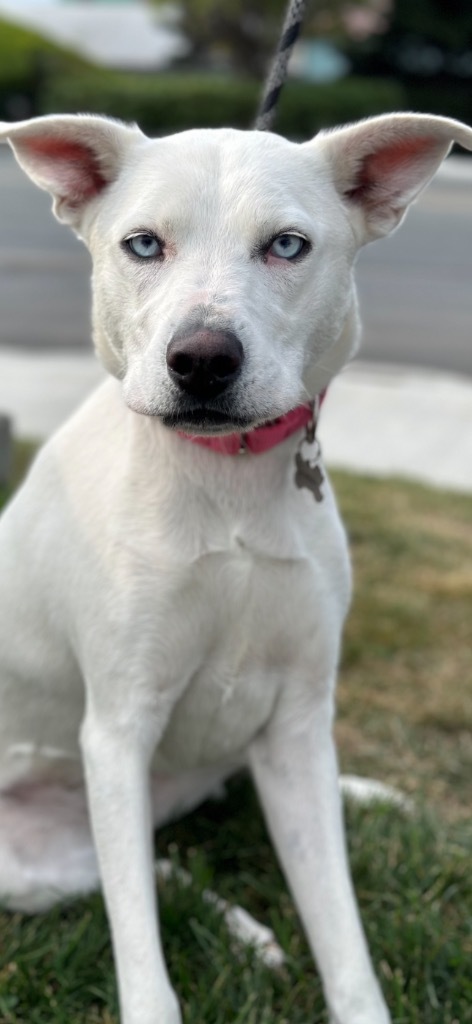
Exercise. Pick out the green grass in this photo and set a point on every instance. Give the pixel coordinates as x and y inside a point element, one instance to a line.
<point>405,709</point>
<point>413,883</point>
<point>405,692</point>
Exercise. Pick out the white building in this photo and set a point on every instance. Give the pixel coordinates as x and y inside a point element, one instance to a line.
<point>118,33</point>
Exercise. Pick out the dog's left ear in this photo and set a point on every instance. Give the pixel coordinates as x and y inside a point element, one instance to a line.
<point>74,157</point>
<point>380,166</point>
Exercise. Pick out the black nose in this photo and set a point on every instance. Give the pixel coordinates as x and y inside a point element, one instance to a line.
<point>205,362</point>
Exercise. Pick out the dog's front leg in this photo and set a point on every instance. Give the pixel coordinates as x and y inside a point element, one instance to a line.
<point>295,770</point>
<point>117,773</point>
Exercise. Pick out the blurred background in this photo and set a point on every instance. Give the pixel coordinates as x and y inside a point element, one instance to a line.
<point>201,63</point>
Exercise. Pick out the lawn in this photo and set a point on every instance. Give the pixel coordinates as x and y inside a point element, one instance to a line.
<point>405,716</point>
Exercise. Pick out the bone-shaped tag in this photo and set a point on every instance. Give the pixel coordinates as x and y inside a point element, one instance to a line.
<point>308,474</point>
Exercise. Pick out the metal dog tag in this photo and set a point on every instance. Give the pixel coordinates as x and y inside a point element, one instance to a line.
<point>308,472</point>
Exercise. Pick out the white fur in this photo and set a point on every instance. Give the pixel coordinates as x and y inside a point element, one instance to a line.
<point>168,614</point>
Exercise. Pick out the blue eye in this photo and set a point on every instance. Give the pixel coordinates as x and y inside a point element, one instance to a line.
<point>286,247</point>
<point>145,246</point>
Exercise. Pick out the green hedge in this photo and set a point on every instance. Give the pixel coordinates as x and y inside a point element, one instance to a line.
<point>173,102</point>
<point>37,77</point>
<point>305,108</point>
<point>26,62</point>
<point>448,98</point>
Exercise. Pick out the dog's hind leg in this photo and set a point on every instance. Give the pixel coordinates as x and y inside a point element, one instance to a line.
<point>46,847</point>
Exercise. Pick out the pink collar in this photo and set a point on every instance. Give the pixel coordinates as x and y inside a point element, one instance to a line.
<point>261,439</point>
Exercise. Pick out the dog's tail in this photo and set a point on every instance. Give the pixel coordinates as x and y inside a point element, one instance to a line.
<point>368,791</point>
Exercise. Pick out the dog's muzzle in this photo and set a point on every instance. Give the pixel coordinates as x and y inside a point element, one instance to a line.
<point>203,363</point>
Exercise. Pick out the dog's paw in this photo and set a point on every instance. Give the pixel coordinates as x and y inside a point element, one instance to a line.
<point>380,1017</point>
<point>359,1003</point>
<point>370,1015</point>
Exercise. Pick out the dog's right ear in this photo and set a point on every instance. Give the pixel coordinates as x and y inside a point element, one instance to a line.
<point>74,157</point>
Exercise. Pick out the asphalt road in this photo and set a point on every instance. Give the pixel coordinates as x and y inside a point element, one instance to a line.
<point>415,288</point>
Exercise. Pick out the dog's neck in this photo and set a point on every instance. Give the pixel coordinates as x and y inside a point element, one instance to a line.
<point>262,438</point>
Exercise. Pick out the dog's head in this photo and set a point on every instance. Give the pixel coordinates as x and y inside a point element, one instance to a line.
<point>223,260</point>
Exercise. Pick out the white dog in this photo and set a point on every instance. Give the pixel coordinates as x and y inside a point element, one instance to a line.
<point>170,610</point>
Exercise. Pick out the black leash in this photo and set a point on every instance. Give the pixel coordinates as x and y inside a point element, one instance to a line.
<point>278,72</point>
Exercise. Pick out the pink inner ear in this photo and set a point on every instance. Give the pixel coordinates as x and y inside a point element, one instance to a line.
<point>390,166</point>
<point>391,158</point>
<point>72,168</point>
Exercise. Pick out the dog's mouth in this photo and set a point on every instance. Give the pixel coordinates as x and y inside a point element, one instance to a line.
<point>206,420</point>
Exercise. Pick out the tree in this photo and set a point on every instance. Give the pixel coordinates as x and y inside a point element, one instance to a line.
<point>243,33</point>
<point>425,39</point>
<point>447,23</point>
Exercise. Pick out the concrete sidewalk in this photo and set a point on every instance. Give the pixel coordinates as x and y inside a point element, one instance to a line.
<point>380,420</point>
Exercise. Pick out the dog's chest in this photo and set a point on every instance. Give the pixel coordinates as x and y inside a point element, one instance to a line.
<point>247,616</point>
<point>237,647</point>
<point>226,587</point>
